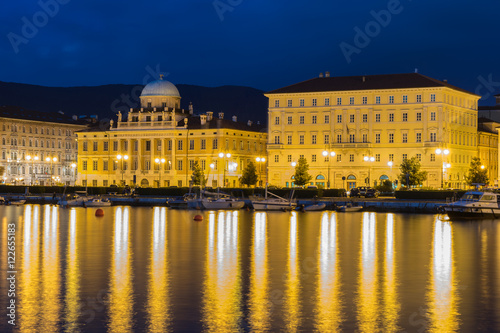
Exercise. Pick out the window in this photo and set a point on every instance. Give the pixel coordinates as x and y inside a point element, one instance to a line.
<point>377,138</point>
<point>327,139</point>
<point>433,137</point>
<point>433,116</point>
<point>405,99</point>
<point>313,158</point>
<point>191,164</point>
<point>179,164</point>
<point>276,103</point>
<point>339,100</point>
<point>351,100</point>
<point>405,116</point>
<point>215,143</point>
<point>405,137</point>
<point>289,103</point>
<point>391,157</point>
<point>365,100</point>
<point>327,101</point>
<point>276,120</point>
<point>351,157</point>
<point>391,117</point>
<point>391,137</point>
<point>419,98</point>
<point>405,157</point>
<point>277,139</point>
<point>339,118</point>
<point>301,119</point>
<point>313,139</point>
<point>301,102</point>
<point>365,138</point>
<point>391,99</point>
<point>327,119</point>
<point>276,158</point>
<point>365,118</point>
<point>419,137</point>
<point>419,157</point>
<point>84,146</point>
<point>339,157</point>
<point>314,119</point>
<point>105,146</point>
<point>377,118</point>
<point>433,97</point>
<point>289,158</point>
<point>433,157</point>
<point>314,102</point>
<point>289,120</point>
<point>84,165</point>
<point>351,138</point>
<point>377,157</point>
<point>115,145</point>
<point>105,165</point>
<point>94,146</point>
<point>377,100</point>
<point>339,138</point>
<point>301,139</point>
<point>179,144</point>
<point>148,145</point>
<point>419,116</point>
<point>351,118</point>
<point>94,165</point>
<point>203,144</point>
<point>289,140</point>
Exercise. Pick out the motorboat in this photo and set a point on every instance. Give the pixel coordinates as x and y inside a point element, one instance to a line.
<point>313,207</point>
<point>275,202</point>
<point>222,203</point>
<point>97,202</point>
<point>71,200</point>
<point>15,202</point>
<point>188,201</point>
<point>474,205</point>
<point>349,207</point>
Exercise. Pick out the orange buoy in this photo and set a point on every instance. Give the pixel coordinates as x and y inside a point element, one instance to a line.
<point>99,212</point>
<point>198,218</point>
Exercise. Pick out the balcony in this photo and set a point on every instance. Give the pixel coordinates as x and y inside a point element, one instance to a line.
<point>351,145</point>
<point>275,146</point>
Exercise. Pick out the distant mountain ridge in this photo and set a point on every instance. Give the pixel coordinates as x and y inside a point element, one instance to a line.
<point>105,101</point>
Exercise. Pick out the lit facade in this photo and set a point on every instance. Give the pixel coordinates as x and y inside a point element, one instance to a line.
<point>487,146</point>
<point>159,144</point>
<point>368,122</point>
<point>38,148</point>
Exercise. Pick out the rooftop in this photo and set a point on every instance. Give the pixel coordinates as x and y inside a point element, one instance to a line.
<point>17,112</point>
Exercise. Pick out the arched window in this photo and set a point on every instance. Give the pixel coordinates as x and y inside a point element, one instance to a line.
<point>320,177</point>
<point>383,177</point>
<point>351,177</point>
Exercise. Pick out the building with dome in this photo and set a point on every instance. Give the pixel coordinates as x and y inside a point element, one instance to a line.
<point>159,144</point>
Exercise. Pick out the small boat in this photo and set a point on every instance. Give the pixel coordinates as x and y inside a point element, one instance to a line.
<point>474,205</point>
<point>97,202</point>
<point>314,207</point>
<point>71,200</point>
<point>349,208</point>
<point>222,203</point>
<point>188,201</point>
<point>274,203</point>
<point>16,202</point>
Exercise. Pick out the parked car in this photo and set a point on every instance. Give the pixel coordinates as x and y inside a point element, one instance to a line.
<point>364,191</point>
<point>371,193</point>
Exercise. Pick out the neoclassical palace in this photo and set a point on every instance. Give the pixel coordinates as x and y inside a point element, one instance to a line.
<point>357,130</point>
<point>159,144</point>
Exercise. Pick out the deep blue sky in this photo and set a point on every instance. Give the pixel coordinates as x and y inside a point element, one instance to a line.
<point>262,44</point>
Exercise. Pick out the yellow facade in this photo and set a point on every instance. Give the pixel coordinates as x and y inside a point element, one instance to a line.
<point>162,143</point>
<point>488,148</point>
<point>383,118</point>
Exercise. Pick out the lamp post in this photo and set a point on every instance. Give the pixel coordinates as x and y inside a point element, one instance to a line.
<point>260,160</point>
<point>369,159</point>
<point>293,164</point>
<point>159,161</point>
<point>73,167</point>
<point>329,155</point>
<point>53,159</point>
<point>222,155</point>
<point>443,153</point>
<point>390,164</point>
<point>122,158</point>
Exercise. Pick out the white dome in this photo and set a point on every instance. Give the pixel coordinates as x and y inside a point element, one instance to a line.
<point>160,88</point>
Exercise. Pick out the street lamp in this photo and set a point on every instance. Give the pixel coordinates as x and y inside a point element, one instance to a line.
<point>222,155</point>
<point>328,154</point>
<point>159,161</point>
<point>390,163</point>
<point>369,159</point>
<point>260,160</point>
<point>53,159</point>
<point>443,153</point>
<point>73,167</point>
<point>122,158</point>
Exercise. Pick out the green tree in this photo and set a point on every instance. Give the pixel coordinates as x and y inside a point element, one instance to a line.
<point>249,176</point>
<point>411,168</point>
<point>385,186</point>
<point>476,175</point>
<point>301,176</point>
<point>198,176</point>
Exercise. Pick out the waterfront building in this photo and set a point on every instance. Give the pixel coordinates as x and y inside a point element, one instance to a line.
<point>371,124</point>
<point>38,148</point>
<point>487,146</point>
<point>159,144</point>
<point>491,111</point>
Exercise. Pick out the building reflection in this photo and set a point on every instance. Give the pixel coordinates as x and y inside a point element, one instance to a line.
<point>442,295</point>
<point>391,304</point>
<point>259,304</point>
<point>292,284</point>
<point>329,295</point>
<point>222,287</point>
<point>158,307</point>
<point>121,301</point>
<point>72,297</point>
<point>368,303</point>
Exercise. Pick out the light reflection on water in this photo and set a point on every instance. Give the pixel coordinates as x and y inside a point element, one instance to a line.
<point>294,271</point>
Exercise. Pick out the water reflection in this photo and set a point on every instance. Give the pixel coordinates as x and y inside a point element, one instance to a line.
<point>443,297</point>
<point>121,302</point>
<point>222,287</point>
<point>391,304</point>
<point>259,305</point>
<point>158,307</point>
<point>292,302</point>
<point>329,302</point>
<point>72,299</point>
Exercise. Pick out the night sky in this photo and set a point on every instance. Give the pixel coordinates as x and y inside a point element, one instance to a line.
<point>261,44</point>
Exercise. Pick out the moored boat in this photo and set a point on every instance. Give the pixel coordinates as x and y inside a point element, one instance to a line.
<point>313,207</point>
<point>222,203</point>
<point>97,202</point>
<point>474,205</point>
<point>275,203</point>
<point>349,208</point>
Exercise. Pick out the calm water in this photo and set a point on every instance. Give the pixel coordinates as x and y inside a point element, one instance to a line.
<point>155,269</point>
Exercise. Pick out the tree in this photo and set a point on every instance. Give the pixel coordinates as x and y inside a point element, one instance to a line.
<point>198,176</point>
<point>410,172</point>
<point>476,175</point>
<point>301,176</point>
<point>249,176</point>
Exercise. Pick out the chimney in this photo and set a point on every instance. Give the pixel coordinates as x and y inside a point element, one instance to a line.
<point>203,119</point>
<point>364,78</point>
<point>249,123</point>
<point>221,115</point>
<point>235,119</point>
<point>190,108</point>
<point>327,74</point>
<point>320,74</point>
<point>210,115</point>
